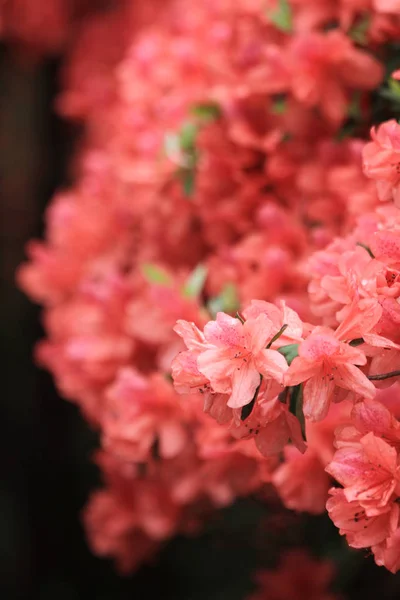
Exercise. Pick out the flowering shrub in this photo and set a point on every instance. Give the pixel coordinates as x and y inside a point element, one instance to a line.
<point>226,191</point>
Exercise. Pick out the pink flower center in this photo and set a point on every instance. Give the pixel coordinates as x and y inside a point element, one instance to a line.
<point>318,347</point>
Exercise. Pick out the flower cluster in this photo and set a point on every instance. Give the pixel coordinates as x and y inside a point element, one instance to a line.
<point>224,159</point>
<point>291,579</point>
<point>366,464</point>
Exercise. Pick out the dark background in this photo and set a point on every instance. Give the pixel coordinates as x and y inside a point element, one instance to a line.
<point>46,473</point>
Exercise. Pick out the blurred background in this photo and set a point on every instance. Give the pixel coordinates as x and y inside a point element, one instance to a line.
<point>46,445</point>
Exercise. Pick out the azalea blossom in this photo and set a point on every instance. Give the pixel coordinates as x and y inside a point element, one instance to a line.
<point>235,355</point>
<point>223,168</point>
<point>382,160</point>
<point>325,363</point>
<point>366,464</point>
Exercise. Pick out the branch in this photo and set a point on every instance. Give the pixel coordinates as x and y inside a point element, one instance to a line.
<point>383,376</point>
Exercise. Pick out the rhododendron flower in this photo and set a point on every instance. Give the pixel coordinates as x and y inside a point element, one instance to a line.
<point>221,160</point>
<point>270,423</point>
<point>112,532</point>
<point>301,481</point>
<point>322,64</point>
<point>235,355</point>
<point>366,463</point>
<point>325,363</point>
<point>381,160</point>
<point>141,414</point>
<point>388,554</point>
<point>368,471</point>
<point>352,520</point>
<point>298,577</point>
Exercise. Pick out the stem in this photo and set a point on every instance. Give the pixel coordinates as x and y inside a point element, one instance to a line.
<point>277,336</point>
<point>367,248</point>
<point>383,376</point>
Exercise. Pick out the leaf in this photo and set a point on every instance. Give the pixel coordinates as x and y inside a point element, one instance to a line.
<point>188,179</point>
<point>195,283</point>
<point>187,136</point>
<point>296,406</point>
<point>354,110</point>
<point>227,301</point>
<point>359,31</point>
<point>207,112</point>
<point>282,16</point>
<point>290,351</point>
<point>279,106</point>
<point>155,274</point>
<point>394,86</point>
<point>392,92</point>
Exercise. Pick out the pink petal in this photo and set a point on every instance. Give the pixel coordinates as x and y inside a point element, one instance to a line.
<point>362,317</point>
<point>352,378</point>
<point>191,335</point>
<point>225,331</point>
<point>172,438</point>
<point>271,364</point>
<point>300,370</point>
<point>317,394</point>
<point>217,366</point>
<point>273,437</point>
<point>258,331</point>
<point>244,384</point>
<point>295,432</point>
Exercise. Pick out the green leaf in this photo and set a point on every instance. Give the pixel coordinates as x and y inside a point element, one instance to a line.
<point>207,112</point>
<point>394,86</point>
<point>289,352</point>
<point>187,136</point>
<point>282,16</point>
<point>155,274</point>
<point>392,92</point>
<point>354,110</point>
<point>227,301</point>
<point>359,31</point>
<point>296,406</point>
<point>188,180</point>
<point>195,283</point>
<point>279,106</point>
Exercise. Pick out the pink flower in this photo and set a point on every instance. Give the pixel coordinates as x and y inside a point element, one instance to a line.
<point>366,463</point>
<point>361,530</point>
<point>388,554</point>
<point>381,160</point>
<point>142,414</point>
<point>326,67</point>
<point>291,579</point>
<point>301,481</point>
<point>368,471</point>
<point>325,364</point>
<point>112,532</point>
<point>234,355</point>
<point>270,424</point>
